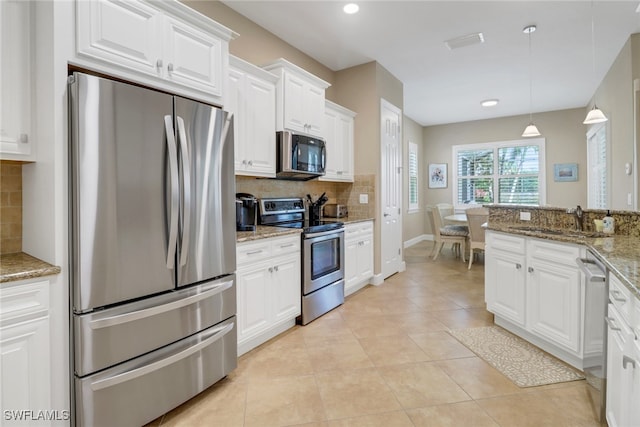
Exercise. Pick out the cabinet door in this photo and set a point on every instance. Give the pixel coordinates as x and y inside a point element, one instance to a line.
<point>286,287</point>
<point>344,132</point>
<point>192,57</point>
<point>505,285</point>
<point>126,33</point>
<point>24,358</point>
<point>618,378</point>
<point>334,161</point>
<point>365,257</point>
<point>350,264</point>
<point>235,99</point>
<point>553,303</point>
<point>294,103</point>
<point>15,80</point>
<point>314,109</point>
<point>255,300</point>
<point>260,127</point>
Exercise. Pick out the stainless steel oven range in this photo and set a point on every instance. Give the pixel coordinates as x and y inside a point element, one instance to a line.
<point>322,254</point>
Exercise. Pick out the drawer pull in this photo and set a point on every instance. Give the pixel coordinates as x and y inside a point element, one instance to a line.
<point>626,360</point>
<point>518,266</point>
<point>530,269</point>
<point>288,245</point>
<point>612,324</point>
<point>254,252</point>
<point>616,296</point>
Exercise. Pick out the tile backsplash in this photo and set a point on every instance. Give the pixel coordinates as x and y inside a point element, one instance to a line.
<point>10,207</point>
<point>345,193</point>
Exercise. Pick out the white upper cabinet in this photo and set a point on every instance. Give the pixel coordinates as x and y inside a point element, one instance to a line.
<point>162,44</point>
<point>16,139</point>
<point>252,98</point>
<point>338,135</point>
<point>300,99</point>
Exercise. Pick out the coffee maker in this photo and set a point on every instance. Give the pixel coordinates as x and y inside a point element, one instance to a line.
<point>246,212</point>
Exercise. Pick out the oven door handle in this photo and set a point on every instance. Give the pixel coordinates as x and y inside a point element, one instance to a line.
<point>323,233</point>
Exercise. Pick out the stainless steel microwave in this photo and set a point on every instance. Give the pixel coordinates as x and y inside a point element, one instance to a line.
<point>299,157</point>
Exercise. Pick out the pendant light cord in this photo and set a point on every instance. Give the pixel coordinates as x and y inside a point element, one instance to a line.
<point>530,81</point>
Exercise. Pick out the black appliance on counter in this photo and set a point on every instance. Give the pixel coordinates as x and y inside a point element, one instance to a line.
<point>322,253</point>
<point>246,212</point>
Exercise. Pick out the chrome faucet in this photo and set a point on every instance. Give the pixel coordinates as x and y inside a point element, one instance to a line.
<point>579,216</point>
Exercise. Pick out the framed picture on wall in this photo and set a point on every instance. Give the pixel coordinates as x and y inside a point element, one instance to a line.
<point>437,175</point>
<point>565,172</point>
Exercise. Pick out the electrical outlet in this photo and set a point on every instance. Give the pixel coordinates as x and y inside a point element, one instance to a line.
<point>364,199</point>
<point>629,199</point>
<point>525,216</point>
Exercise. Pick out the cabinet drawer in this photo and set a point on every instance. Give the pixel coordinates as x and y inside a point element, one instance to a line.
<point>513,244</point>
<point>358,229</point>
<point>621,298</point>
<point>285,245</point>
<point>253,251</point>
<point>23,300</point>
<point>558,253</point>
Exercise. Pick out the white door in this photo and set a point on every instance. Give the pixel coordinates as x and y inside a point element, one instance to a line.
<point>391,188</point>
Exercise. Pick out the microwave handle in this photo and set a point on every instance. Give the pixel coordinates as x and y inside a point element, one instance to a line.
<point>324,155</point>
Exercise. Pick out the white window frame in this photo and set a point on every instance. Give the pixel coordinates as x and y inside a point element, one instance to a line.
<point>594,164</point>
<point>413,173</point>
<point>540,142</point>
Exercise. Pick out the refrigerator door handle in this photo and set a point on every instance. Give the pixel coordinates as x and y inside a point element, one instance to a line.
<point>172,149</point>
<point>152,311</point>
<point>214,335</point>
<point>186,179</point>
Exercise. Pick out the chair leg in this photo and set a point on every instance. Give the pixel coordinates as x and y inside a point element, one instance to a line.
<point>462,249</point>
<point>435,257</point>
<point>470,258</point>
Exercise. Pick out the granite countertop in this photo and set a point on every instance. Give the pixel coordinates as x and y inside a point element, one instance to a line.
<point>620,253</point>
<point>263,232</point>
<point>20,266</point>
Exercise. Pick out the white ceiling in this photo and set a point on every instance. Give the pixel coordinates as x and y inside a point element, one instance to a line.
<point>443,86</point>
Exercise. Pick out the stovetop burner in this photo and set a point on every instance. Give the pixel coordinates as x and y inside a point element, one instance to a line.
<point>290,213</point>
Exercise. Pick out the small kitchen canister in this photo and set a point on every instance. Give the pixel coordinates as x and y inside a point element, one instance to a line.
<point>608,224</point>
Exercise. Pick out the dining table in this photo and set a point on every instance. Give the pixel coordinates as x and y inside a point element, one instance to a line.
<point>459,218</point>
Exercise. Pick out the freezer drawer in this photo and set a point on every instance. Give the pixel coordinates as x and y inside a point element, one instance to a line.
<point>137,392</point>
<point>106,338</point>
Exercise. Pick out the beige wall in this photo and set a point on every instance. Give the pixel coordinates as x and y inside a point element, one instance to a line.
<point>564,134</point>
<point>414,224</point>
<point>615,98</point>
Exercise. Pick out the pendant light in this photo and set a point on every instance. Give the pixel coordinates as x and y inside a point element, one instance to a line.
<point>531,129</point>
<point>595,115</point>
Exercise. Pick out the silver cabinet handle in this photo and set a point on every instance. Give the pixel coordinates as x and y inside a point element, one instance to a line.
<point>250,162</point>
<point>170,68</point>
<point>611,323</point>
<point>518,266</point>
<point>276,268</point>
<point>270,269</point>
<point>172,150</point>
<point>626,360</point>
<point>530,269</point>
<point>617,296</point>
<point>288,245</point>
<point>159,64</point>
<point>186,179</point>
<point>214,335</point>
<point>254,252</point>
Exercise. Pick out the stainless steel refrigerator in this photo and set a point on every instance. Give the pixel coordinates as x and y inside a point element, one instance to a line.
<point>153,294</point>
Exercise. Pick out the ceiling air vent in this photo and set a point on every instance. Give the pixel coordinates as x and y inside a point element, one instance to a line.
<point>462,41</point>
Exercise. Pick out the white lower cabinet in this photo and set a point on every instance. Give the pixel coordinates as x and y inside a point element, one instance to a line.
<point>535,289</point>
<point>24,350</point>
<point>623,357</point>
<point>268,283</point>
<point>358,255</point>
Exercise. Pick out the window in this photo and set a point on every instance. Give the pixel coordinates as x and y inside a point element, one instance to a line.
<point>510,172</point>
<point>598,193</point>
<point>413,177</point>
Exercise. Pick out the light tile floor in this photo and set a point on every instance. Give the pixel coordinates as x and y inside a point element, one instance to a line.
<point>384,358</point>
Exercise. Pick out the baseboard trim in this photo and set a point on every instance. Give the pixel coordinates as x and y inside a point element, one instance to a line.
<point>418,239</point>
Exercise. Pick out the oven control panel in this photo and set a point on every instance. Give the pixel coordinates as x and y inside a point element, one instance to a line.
<point>281,205</point>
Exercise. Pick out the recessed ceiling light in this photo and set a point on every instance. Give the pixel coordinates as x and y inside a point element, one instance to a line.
<point>489,103</point>
<point>351,8</point>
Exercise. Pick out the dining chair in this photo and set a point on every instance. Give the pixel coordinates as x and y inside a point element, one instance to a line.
<point>445,209</point>
<point>454,234</point>
<point>476,217</point>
